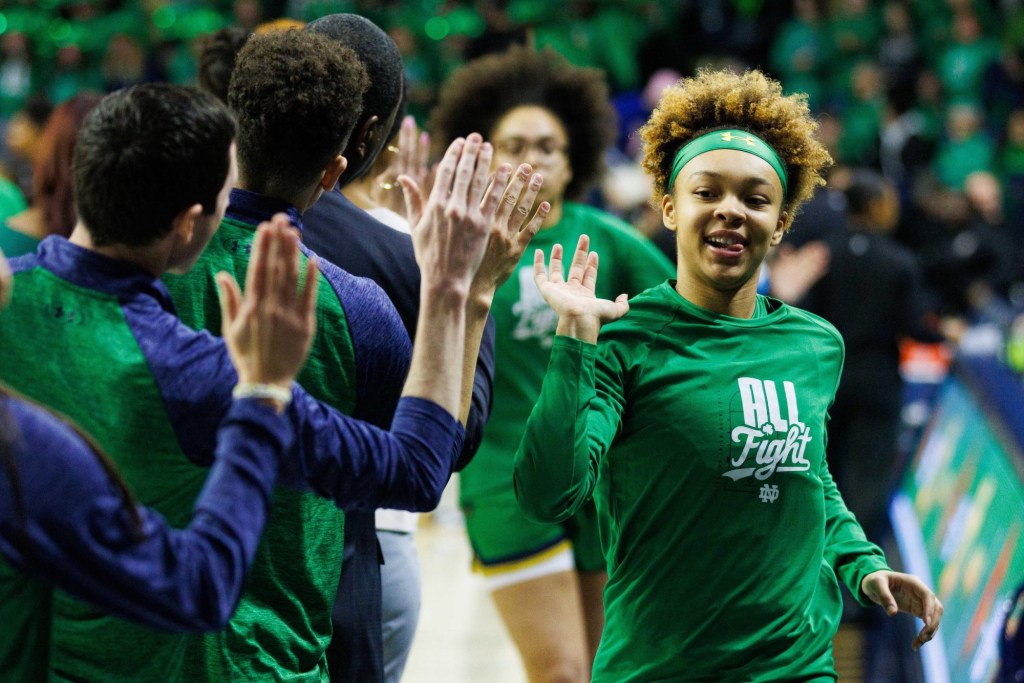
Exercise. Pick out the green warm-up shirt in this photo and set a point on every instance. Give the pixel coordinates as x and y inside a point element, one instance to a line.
<point>701,438</point>
<point>283,623</point>
<point>525,327</point>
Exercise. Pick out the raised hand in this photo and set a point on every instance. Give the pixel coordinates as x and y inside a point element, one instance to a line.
<point>412,160</point>
<point>580,312</point>
<point>897,592</point>
<point>510,230</point>
<point>268,331</point>
<point>454,223</point>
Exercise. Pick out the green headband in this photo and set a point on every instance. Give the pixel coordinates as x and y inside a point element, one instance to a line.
<point>728,139</point>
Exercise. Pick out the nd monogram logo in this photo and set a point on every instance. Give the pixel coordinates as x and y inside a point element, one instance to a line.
<point>768,441</point>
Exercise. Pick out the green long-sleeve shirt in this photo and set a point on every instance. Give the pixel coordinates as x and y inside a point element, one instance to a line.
<point>701,438</point>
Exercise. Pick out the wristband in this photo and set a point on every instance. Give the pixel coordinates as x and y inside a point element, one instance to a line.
<point>262,391</point>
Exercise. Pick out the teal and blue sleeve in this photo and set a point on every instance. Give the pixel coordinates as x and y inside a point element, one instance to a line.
<point>75,532</point>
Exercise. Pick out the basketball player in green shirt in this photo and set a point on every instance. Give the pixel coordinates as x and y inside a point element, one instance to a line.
<point>546,579</point>
<point>697,422</point>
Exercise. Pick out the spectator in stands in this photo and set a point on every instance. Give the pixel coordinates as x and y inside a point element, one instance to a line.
<point>53,204</point>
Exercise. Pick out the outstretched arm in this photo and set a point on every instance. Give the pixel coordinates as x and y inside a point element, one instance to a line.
<point>511,232</point>
<point>580,312</point>
<point>861,565</point>
<point>81,538</point>
<point>77,532</point>
<point>578,413</point>
<point>408,467</point>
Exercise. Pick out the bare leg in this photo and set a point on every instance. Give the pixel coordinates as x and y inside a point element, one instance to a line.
<point>543,616</point>
<point>592,594</point>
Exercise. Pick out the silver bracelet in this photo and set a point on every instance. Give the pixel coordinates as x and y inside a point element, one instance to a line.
<point>262,391</point>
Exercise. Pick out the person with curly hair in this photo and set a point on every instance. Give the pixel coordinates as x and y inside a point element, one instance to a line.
<point>697,420</point>
<point>546,579</point>
<point>217,54</point>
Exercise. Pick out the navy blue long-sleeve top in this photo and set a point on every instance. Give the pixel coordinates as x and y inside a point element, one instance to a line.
<point>347,236</point>
<point>63,524</point>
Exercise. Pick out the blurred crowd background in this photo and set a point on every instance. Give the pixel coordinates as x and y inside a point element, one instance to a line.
<point>928,92</point>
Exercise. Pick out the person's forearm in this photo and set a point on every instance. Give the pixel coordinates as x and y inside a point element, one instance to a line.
<point>477,309</point>
<point>555,466</point>
<point>438,350</point>
<point>178,580</point>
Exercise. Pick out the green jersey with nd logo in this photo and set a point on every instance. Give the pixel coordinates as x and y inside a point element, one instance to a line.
<point>702,438</point>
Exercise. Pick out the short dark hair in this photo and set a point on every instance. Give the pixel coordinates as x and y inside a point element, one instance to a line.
<point>144,155</point>
<point>383,62</point>
<point>217,54</point>
<point>297,96</point>
<point>378,53</point>
<point>479,94</point>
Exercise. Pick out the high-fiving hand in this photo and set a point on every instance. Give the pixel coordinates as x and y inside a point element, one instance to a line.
<point>453,225</point>
<point>580,312</point>
<point>411,159</point>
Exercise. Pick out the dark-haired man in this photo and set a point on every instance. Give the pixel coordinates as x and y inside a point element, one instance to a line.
<point>374,627</point>
<point>296,96</point>
<point>153,169</point>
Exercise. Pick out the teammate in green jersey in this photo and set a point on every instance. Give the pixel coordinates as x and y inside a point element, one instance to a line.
<point>546,579</point>
<point>698,422</point>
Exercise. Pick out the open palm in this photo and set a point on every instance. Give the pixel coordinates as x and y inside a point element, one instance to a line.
<point>580,312</point>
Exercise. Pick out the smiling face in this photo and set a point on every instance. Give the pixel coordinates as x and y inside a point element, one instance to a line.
<point>726,211</point>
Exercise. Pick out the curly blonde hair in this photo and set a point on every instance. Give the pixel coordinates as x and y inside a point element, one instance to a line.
<point>750,101</point>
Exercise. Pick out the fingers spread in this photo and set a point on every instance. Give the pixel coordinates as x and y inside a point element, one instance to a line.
<point>422,161</point>
<point>525,203</point>
<point>511,197</point>
<point>307,304</point>
<point>407,145</point>
<point>579,259</point>
<point>555,268</point>
<point>414,201</point>
<point>539,271</point>
<point>290,262</point>
<point>480,174</point>
<point>590,272</point>
<point>256,274</point>
<point>533,227</point>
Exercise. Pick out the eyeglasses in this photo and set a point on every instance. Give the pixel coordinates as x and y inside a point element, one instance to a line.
<point>546,148</point>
